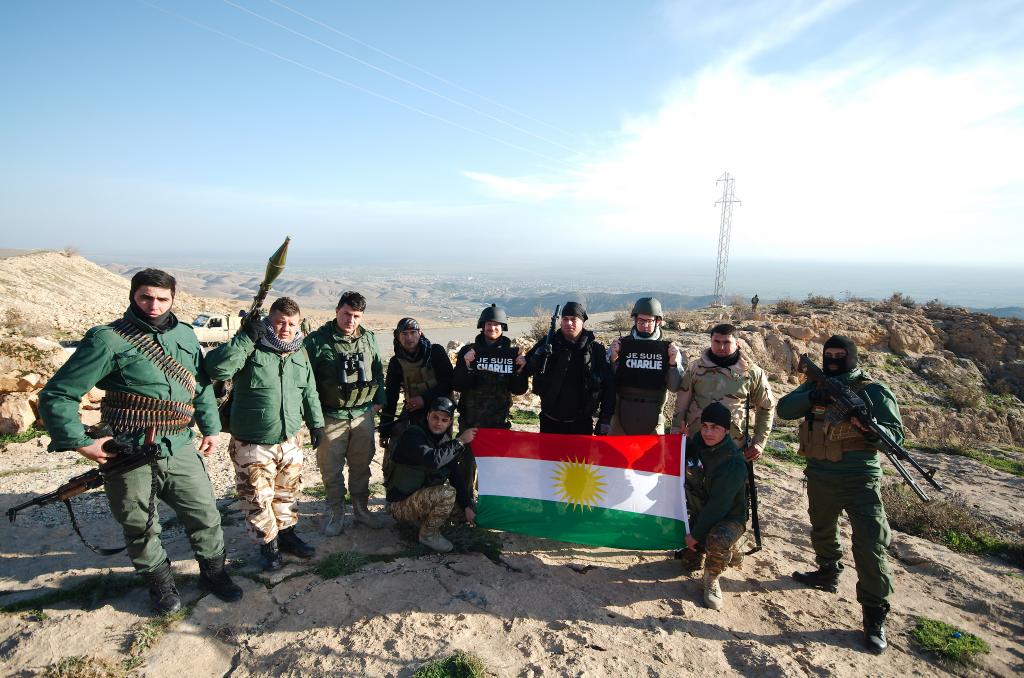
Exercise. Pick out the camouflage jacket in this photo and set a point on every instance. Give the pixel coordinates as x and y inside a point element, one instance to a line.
<point>704,382</point>
<point>485,397</point>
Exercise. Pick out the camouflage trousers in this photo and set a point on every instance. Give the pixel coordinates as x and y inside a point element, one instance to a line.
<point>429,507</point>
<point>723,547</point>
<point>267,478</point>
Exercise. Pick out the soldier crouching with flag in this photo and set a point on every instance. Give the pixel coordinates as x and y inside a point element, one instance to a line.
<point>716,477</point>
<point>273,391</point>
<point>422,475</point>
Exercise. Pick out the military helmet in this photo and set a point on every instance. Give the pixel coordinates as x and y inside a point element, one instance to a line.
<point>443,404</point>
<point>647,306</point>
<point>494,314</point>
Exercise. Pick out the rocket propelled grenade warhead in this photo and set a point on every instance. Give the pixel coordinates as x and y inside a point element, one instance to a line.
<point>275,264</point>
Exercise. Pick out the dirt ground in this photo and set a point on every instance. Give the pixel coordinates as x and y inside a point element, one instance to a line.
<point>543,608</point>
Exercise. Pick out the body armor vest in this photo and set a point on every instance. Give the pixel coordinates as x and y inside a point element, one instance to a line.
<point>418,376</point>
<point>821,440</point>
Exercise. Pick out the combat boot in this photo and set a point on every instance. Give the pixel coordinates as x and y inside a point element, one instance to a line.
<point>436,541</point>
<point>874,628</point>
<point>335,524</point>
<point>361,514</point>
<point>162,591</point>
<point>290,543</point>
<point>712,591</point>
<point>213,577</point>
<point>826,577</point>
<point>270,556</point>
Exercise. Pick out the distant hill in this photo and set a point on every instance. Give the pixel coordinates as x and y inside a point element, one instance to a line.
<point>1003,311</point>
<point>598,302</point>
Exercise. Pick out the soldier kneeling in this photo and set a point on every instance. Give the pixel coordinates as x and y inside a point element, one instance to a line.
<point>716,476</point>
<point>422,475</point>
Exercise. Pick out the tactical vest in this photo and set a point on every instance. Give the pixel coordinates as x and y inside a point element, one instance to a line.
<point>418,376</point>
<point>406,478</point>
<point>821,440</point>
<point>488,402</point>
<point>349,381</point>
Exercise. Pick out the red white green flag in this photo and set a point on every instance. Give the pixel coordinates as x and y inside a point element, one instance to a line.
<point>619,491</point>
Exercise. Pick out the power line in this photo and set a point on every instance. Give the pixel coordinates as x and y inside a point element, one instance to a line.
<point>353,85</point>
<point>405,81</point>
<point>423,70</point>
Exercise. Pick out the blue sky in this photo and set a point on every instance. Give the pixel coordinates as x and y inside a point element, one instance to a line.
<point>590,127</point>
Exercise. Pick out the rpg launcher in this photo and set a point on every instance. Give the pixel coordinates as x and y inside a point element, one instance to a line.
<point>850,405</point>
<point>128,459</point>
<point>275,265</point>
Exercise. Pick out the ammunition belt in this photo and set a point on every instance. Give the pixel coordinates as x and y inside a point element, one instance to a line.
<point>135,336</point>
<point>127,412</point>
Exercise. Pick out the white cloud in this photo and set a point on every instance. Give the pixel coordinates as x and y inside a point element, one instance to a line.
<point>912,161</point>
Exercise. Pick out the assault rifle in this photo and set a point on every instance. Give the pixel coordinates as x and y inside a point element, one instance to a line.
<point>755,521</point>
<point>549,340</point>
<point>849,404</point>
<point>128,459</point>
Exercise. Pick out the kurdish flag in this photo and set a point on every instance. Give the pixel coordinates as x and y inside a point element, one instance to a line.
<point>619,491</point>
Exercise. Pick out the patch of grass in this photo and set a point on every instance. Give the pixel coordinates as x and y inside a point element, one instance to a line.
<point>341,564</point>
<point>84,666</point>
<point>318,491</point>
<point>458,665</point>
<point>87,593</point>
<point>525,417</point>
<point>950,521</point>
<point>786,306</point>
<point>147,633</point>
<point>378,490</point>
<point>784,452</point>
<point>894,364</point>
<point>20,471</point>
<point>947,642</point>
<point>821,301</point>
<point>31,434</point>
<point>1006,464</point>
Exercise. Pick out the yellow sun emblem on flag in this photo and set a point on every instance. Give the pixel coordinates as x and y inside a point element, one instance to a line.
<point>578,484</point>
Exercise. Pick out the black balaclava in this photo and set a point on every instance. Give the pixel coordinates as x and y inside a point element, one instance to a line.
<point>836,366</point>
<point>159,323</point>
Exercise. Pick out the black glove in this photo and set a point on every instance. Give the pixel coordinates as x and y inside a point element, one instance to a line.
<point>545,350</point>
<point>252,325</point>
<point>604,428</point>
<point>316,436</point>
<point>820,396</point>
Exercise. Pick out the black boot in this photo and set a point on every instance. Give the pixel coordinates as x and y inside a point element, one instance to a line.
<point>874,627</point>
<point>162,590</point>
<point>213,577</point>
<point>290,543</point>
<point>270,556</point>
<point>826,577</point>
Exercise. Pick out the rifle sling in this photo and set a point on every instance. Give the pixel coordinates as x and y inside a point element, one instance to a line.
<point>99,550</point>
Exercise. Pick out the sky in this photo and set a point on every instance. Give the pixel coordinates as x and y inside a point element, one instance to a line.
<point>460,133</point>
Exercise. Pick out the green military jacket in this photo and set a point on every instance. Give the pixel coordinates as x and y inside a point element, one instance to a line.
<point>327,348</point>
<point>704,383</point>
<point>271,392</point>
<point>716,480</point>
<point>104,359</point>
<point>798,405</point>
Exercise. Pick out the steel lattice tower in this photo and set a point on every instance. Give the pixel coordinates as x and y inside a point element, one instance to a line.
<point>724,234</point>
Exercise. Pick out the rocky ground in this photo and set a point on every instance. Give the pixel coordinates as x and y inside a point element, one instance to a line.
<point>537,608</point>
<point>374,603</point>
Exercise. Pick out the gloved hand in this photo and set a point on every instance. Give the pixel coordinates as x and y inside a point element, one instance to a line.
<point>820,396</point>
<point>604,429</point>
<point>316,436</point>
<point>252,325</point>
<point>545,350</point>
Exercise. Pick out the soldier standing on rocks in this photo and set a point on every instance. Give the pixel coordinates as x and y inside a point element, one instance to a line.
<point>349,379</point>
<point>716,478</point>
<point>754,301</point>
<point>638,409</point>
<point>844,474</point>
<point>151,369</point>
<point>485,397</point>
<point>421,371</point>
<point>273,392</point>
<point>572,377</point>
<point>423,481</point>
<point>722,374</point>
